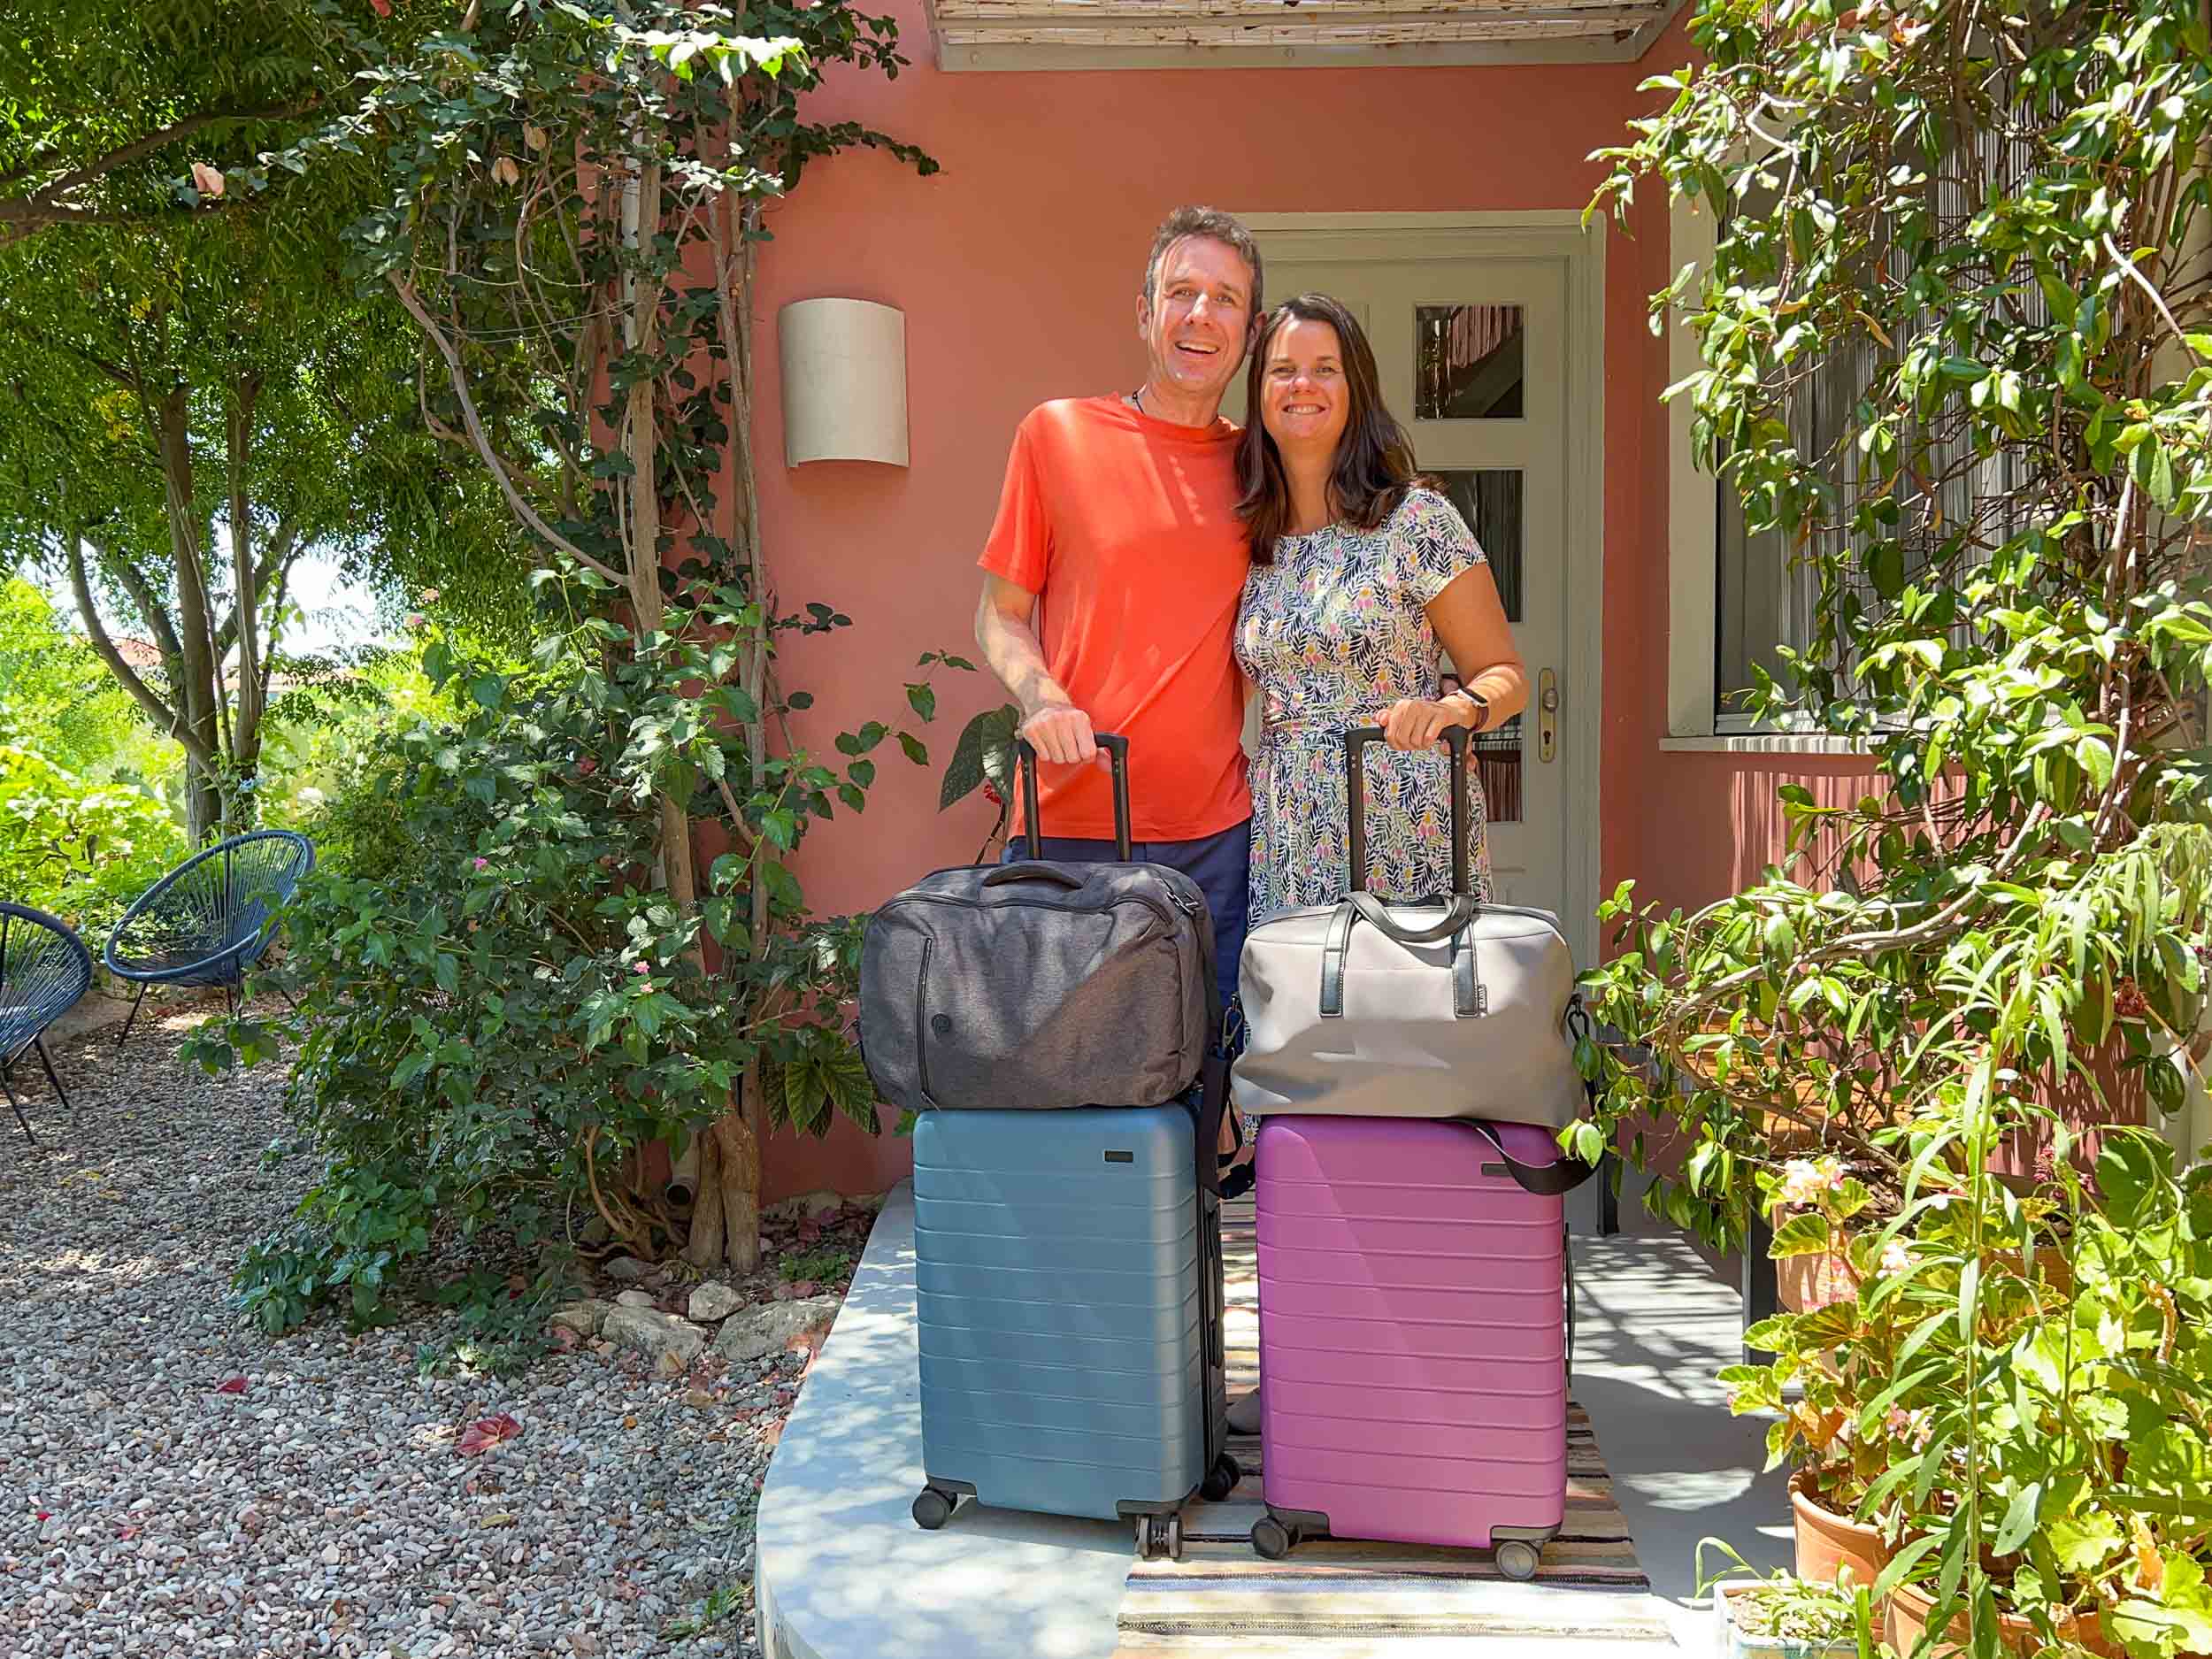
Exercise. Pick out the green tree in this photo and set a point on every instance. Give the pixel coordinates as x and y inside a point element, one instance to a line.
<point>193,396</point>
<point>570,211</point>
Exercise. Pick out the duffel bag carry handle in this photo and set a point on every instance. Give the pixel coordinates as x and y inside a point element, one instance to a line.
<point>1117,750</point>
<point>1356,742</point>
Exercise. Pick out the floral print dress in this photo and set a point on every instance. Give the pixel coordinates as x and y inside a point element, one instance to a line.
<point>1334,632</point>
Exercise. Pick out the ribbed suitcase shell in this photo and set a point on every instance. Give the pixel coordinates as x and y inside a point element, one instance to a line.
<point>1068,1283</point>
<point>1412,1331</point>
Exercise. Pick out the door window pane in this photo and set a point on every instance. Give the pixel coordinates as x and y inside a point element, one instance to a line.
<point>1467,363</point>
<point>1489,499</point>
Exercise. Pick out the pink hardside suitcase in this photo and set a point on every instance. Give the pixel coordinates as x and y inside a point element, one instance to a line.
<point>1414,1339</point>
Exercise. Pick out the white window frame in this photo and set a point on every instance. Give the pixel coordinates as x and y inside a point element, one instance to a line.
<point>1696,723</point>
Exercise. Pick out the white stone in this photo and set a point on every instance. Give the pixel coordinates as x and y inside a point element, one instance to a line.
<point>713,1301</point>
<point>773,1326</point>
<point>653,1333</point>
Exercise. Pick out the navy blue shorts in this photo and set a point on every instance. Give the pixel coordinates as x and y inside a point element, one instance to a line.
<point>1221,866</point>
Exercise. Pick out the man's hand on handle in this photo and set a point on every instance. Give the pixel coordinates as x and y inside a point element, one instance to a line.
<point>1060,733</point>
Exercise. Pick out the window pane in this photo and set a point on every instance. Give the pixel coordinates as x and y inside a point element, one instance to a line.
<point>1953,502</point>
<point>1467,363</point>
<point>1489,499</point>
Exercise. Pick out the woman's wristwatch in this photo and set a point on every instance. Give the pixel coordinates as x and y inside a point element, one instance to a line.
<point>1482,707</point>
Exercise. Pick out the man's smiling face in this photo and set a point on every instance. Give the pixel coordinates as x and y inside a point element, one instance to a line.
<point>1199,319</point>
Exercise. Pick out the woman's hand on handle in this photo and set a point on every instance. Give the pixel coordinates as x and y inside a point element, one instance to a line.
<point>1417,723</point>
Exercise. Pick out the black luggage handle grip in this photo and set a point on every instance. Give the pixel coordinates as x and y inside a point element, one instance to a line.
<point>1117,750</point>
<point>1058,874</point>
<point>1356,742</point>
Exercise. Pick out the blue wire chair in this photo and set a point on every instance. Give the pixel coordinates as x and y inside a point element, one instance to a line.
<point>44,968</point>
<point>207,920</point>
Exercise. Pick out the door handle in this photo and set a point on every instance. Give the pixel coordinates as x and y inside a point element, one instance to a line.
<point>1547,716</point>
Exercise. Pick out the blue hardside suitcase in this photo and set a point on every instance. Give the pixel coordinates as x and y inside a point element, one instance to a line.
<point>1069,1288</point>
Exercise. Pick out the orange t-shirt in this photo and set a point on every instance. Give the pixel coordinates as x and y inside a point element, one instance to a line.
<point>1127,529</point>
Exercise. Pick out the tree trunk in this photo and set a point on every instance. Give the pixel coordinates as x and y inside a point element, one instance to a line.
<point>197,704</point>
<point>247,742</point>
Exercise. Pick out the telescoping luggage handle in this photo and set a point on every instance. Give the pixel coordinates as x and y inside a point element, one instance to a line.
<point>1463,905</point>
<point>1470,998</point>
<point>1117,750</point>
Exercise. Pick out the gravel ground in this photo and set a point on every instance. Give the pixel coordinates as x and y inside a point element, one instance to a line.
<point>325,1508</point>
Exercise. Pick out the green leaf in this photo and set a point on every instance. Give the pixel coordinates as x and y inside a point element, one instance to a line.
<point>1807,1235</point>
<point>923,700</point>
<point>2019,1520</point>
<point>488,690</point>
<point>914,751</point>
<point>2083,1543</point>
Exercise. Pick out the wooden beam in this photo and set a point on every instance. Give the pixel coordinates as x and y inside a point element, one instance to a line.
<point>1538,22</point>
<point>1313,14</point>
<point>991,56</point>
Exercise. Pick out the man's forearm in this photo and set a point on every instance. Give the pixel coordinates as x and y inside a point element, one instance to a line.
<point>1010,650</point>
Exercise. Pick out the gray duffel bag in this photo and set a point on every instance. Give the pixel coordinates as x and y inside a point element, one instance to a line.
<point>1453,1008</point>
<point>1039,984</point>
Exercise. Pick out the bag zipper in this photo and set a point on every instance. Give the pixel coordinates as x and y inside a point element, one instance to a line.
<point>1545,917</point>
<point>1157,907</point>
<point>921,1022</point>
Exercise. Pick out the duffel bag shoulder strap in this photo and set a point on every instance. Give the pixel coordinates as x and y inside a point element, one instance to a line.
<point>1546,1180</point>
<point>1564,1173</point>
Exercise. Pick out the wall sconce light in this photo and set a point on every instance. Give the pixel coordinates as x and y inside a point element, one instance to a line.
<point>844,382</point>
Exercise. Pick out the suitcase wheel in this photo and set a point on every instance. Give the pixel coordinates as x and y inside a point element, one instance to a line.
<point>1271,1538</point>
<point>933,1508</point>
<point>1517,1561</point>
<point>1222,1480</point>
<point>1159,1535</point>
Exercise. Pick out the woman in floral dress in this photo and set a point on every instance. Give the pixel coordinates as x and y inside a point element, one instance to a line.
<point>1362,575</point>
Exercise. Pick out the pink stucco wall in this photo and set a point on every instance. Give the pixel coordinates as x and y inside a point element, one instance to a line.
<point>1017,267</point>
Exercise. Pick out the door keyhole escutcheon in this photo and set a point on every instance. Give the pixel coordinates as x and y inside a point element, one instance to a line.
<point>1548,717</point>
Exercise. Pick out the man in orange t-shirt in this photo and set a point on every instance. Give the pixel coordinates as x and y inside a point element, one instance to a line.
<point>1114,569</point>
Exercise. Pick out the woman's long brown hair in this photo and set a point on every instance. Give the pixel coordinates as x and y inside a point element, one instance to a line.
<point>1374,457</point>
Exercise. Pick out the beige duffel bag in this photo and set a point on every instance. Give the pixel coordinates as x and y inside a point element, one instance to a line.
<point>1451,1009</point>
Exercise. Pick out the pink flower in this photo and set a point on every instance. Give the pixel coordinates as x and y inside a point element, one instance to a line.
<point>483,863</point>
<point>640,967</point>
<point>430,595</point>
<point>415,618</point>
<point>1807,1180</point>
<point>1899,1422</point>
<point>207,181</point>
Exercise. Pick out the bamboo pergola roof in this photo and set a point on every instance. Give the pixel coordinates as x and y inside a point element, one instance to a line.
<point>1196,33</point>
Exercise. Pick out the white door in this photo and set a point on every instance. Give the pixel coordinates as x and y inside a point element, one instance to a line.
<point>1472,358</point>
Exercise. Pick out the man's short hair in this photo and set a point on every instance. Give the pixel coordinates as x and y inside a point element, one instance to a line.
<point>1215,225</point>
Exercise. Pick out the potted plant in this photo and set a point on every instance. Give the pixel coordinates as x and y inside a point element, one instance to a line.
<point>2060,1484</point>
<point>1782,1615</point>
<point>1835,1358</point>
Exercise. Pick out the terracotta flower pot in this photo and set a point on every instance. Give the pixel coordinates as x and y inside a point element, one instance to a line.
<point>1804,1283</point>
<point>1828,1542</point>
<point>1908,1617</point>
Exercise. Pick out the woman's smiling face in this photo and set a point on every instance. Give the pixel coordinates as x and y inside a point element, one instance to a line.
<point>1305,400</point>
